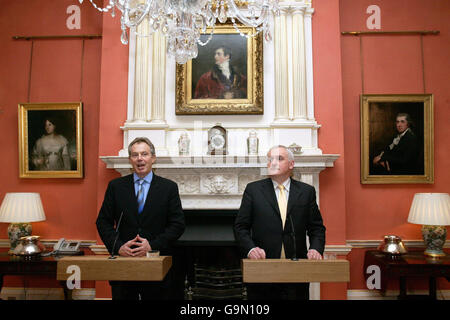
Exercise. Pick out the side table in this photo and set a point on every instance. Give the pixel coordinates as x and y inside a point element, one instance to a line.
<point>414,264</point>
<point>45,266</point>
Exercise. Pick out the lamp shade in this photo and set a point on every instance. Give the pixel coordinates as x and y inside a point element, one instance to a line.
<point>431,209</point>
<point>22,207</point>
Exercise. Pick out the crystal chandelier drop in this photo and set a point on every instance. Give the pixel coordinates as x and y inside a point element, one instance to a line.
<point>182,21</point>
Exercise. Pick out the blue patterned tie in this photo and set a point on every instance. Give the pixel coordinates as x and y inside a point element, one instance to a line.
<point>140,195</point>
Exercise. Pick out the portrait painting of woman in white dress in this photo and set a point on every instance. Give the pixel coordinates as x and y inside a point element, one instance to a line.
<point>51,140</point>
<point>51,151</point>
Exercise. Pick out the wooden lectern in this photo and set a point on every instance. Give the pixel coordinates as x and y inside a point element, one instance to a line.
<point>119,269</point>
<point>288,271</point>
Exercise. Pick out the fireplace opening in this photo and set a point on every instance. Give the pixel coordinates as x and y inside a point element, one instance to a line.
<point>208,228</point>
<point>206,263</point>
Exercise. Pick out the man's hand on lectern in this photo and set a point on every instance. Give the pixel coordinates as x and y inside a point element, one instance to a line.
<point>257,253</point>
<point>137,247</point>
<point>125,250</point>
<point>142,247</point>
<point>314,255</point>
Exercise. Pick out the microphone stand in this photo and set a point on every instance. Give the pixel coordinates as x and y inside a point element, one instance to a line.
<point>111,257</point>
<point>294,258</point>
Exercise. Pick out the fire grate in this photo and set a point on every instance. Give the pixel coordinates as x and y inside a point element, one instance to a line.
<point>215,283</point>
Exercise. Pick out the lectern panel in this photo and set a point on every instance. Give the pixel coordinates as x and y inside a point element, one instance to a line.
<point>288,271</point>
<point>119,269</point>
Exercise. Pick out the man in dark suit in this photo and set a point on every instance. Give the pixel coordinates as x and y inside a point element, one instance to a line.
<point>151,218</point>
<point>263,226</point>
<point>401,157</point>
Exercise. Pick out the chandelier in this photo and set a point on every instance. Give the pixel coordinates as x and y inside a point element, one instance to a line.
<point>183,21</point>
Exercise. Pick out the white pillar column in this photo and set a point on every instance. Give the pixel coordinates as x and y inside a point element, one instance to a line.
<point>141,75</point>
<point>158,101</point>
<point>281,68</point>
<point>309,63</point>
<point>298,65</point>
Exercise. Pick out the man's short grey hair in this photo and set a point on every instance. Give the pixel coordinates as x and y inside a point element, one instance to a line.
<point>142,140</point>
<point>289,152</point>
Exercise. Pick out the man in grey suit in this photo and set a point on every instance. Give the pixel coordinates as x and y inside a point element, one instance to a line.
<point>272,211</point>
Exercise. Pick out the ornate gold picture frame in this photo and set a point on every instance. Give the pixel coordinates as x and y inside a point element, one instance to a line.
<point>397,143</point>
<point>50,140</point>
<point>206,85</point>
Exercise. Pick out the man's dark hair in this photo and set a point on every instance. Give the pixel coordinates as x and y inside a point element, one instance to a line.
<point>142,140</point>
<point>53,120</point>
<point>226,51</point>
<point>407,117</point>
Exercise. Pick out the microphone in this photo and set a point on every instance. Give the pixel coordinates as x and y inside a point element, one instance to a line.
<point>117,237</point>
<point>294,258</point>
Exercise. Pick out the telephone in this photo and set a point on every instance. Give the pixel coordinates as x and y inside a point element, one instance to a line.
<point>67,247</point>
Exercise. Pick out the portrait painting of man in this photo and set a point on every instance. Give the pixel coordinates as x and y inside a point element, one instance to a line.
<point>226,77</point>
<point>220,70</point>
<point>402,137</point>
<point>396,138</point>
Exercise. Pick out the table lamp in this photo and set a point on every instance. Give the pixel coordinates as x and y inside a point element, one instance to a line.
<point>19,209</point>
<point>432,210</point>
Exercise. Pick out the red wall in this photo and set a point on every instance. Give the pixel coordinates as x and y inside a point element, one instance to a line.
<point>70,204</point>
<point>328,109</point>
<point>392,64</point>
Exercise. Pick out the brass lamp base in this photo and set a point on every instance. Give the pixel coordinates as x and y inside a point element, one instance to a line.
<point>17,231</point>
<point>434,238</point>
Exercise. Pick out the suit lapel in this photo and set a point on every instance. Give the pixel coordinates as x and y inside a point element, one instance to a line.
<point>294,193</point>
<point>269,193</point>
<point>131,200</point>
<point>152,197</point>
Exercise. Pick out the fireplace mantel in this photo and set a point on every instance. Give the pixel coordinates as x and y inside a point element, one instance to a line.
<point>217,182</point>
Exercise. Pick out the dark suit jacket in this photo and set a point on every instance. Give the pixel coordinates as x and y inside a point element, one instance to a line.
<point>404,157</point>
<point>161,222</point>
<point>258,222</point>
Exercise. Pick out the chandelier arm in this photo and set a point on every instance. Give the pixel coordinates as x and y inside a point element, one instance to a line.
<point>143,35</point>
<point>135,22</point>
<point>250,22</point>
<point>248,36</point>
<point>104,9</point>
<point>209,37</point>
